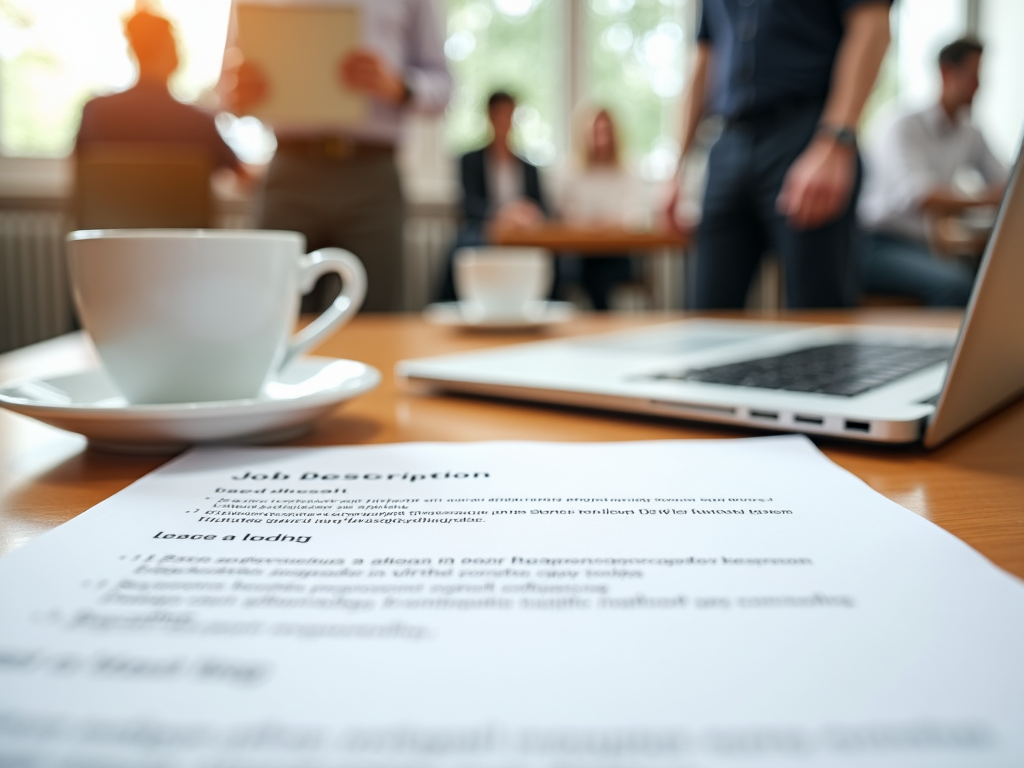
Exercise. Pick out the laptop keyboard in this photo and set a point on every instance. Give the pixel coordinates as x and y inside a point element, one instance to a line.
<point>833,369</point>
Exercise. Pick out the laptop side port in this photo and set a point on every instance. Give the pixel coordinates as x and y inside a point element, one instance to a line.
<point>817,420</point>
<point>766,415</point>
<point>858,426</point>
<point>722,410</point>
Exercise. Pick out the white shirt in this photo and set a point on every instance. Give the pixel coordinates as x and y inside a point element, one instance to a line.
<point>408,35</point>
<point>604,196</point>
<point>911,157</point>
<point>504,180</point>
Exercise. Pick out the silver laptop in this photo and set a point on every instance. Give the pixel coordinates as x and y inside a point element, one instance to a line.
<point>880,384</point>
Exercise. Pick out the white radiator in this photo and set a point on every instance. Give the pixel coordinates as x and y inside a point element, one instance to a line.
<point>35,302</point>
<point>429,235</point>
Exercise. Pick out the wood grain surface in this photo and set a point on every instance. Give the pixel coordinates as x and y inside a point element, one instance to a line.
<point>973,487</point>
<point>590,241</point>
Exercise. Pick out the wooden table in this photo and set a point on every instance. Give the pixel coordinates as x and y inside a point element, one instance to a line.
<point>591,241</point>
<point>973,487</point>
<point>664,248</point>
<point>951,237</point>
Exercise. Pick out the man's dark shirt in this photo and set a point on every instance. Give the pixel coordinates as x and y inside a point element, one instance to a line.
<point>771,52</point>
<point>149,114</point>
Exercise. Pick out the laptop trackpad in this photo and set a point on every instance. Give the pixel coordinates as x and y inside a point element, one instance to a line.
<point>682,338</point>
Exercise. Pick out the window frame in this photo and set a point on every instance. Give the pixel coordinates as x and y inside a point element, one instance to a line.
<point>47,177</point>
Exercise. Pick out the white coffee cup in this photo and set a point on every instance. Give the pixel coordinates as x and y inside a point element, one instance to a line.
<point>199,315</point>
<point>502,283</point>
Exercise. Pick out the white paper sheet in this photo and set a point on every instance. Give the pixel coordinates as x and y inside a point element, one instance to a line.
<point>721,603</point>
<point>299,49</point>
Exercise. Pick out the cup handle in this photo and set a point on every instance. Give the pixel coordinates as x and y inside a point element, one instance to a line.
<point>353,290</point>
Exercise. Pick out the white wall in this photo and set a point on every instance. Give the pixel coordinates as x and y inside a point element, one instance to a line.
<point>999,109</point>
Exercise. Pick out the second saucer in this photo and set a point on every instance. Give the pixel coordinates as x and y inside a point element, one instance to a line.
<point>458,314</point>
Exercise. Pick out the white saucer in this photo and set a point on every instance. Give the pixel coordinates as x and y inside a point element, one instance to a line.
<point>458,314</point>
<point>88,403</point>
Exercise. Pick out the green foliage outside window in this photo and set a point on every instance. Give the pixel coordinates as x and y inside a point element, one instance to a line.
<point>633,63</point>
<point>636,68</point>
<point>512,45</point>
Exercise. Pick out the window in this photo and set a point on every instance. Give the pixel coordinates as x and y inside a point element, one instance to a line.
<point>635,67</point>
<point>999,108</point>
<point>630,55</point>
<point>910,75</point>
<point>56,54</point>
<point>513,45</point>
<point>920,29</point>
<point>627,54</point>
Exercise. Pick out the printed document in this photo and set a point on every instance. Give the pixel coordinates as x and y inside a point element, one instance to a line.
<point>740,603</point>
<point>300,47</point>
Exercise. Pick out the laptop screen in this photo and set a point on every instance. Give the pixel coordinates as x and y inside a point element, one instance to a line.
<point>987,369</point>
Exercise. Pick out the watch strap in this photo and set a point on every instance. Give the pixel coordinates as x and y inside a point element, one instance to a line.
<point>840,134</point>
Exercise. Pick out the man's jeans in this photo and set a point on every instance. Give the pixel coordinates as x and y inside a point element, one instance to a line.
<point>896,266</point>
<point>740,222</point>
<point>354,204</point>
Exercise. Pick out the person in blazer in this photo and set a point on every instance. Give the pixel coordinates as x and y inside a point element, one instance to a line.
<point>499,188</point>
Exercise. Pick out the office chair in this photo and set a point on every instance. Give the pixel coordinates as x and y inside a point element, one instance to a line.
<point>132,186</point>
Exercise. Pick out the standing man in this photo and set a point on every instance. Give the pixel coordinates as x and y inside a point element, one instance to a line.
<point>341,187</point>
<point>789,78</point>
<point>910,176</point>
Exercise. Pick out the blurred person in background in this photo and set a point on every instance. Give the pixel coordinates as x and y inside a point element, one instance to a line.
<point>911,170</point>
<point>341,187</point>
<point>499,188</point>
<point>790,80</point>
<point>600,192</point>
<point>147,112</point>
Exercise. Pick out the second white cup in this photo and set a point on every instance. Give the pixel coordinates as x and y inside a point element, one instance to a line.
<point>502,283</point>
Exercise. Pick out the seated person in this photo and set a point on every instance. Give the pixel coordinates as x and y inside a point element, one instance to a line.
<point>147,112</point>
<point>909,176</point>
<point>499,188</point>
<point>600,192</point>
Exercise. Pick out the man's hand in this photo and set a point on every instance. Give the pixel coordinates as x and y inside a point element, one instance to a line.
<point>515,216</point>
<point>366,72</point>
<point>245,86</point>
<point>817,186</point>
<point>682,215</point>
<point>946,201</point>
<point>519,214</point>
<point>671,205</point>
<point>994,195</point>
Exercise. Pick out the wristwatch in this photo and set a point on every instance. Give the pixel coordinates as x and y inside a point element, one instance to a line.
<point>843,135</point>
<point>407,91</point>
